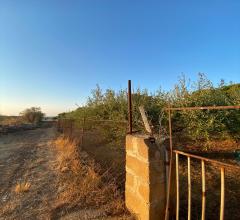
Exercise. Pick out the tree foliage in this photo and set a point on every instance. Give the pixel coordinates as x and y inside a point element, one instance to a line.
<point>198,124</point>
<point>32,115</point>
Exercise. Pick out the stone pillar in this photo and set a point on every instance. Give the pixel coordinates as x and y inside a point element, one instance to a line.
<point>145,187</point>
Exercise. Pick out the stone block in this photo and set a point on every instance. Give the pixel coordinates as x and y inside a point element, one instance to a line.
<point>129,143</point>
<point>136,205</point>
<point>138,167</point>
<point>145,187</point>
<point>130,180</point>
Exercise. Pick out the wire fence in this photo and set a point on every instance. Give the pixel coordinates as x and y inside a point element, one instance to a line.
<point>103,140</point>
<point>78,128</point>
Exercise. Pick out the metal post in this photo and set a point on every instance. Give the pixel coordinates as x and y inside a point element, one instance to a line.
<point>83,125</point>
<point>170,165</point>
<point>129,107</point>
<point>203,190</point>
<point>222,193</point>
<point>71,129</point>
<point>177,187</point>
<point>189,188</point>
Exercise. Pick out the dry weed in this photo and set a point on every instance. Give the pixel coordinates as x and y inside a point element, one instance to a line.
<point>22,187</point>
<point>82,184</point>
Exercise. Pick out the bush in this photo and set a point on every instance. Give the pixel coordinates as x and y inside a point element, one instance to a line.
<point>32,115</point>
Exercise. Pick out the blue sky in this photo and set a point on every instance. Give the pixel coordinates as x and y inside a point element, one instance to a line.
<point>53,52</point>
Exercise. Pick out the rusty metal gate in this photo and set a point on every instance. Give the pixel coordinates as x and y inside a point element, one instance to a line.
<point>174,164</point>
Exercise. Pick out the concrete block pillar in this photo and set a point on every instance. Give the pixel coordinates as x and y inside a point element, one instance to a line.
<point>145,186</point>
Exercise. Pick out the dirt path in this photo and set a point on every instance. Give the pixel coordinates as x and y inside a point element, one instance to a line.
<point>27,157</point>
<point>30,158</point>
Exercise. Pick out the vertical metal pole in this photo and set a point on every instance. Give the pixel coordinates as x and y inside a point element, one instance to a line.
<point>203,190</point>
<point>170,129</point>
<point>129,107</point>
<point>189,188</point>
<point>83,125</point>
<point>71,129</point>
<point>170,165</point>
<point>177,188</point>
<point>222,193</point>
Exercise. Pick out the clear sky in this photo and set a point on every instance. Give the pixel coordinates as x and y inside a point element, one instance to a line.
<point>53,52</point>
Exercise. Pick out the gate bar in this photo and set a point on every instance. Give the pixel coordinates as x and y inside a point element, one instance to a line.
<point>177,188</point>
<point>218,163</point>
<point>203,189</point>
<point>189,187</point>
<point>222,193</point>
<point>202,108</point>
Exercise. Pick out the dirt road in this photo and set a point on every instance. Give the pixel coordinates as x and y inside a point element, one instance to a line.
<point>27,158</point>
<point>30,183</point>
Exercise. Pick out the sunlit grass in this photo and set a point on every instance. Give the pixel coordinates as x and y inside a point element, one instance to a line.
<point>22,187</point>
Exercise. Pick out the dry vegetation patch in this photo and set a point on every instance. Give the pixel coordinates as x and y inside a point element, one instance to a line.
<point>10,120</point>
<point>22,187</point>
<point>83,184</point>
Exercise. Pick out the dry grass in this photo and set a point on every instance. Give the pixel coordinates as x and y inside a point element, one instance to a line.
<point>10,120</point>
<point>83,183</point>
<point>22,187</point>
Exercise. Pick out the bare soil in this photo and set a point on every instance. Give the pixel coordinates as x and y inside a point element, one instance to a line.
<point>27,157</point>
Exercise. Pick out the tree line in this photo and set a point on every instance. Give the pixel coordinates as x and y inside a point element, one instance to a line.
<point>198,124</point>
